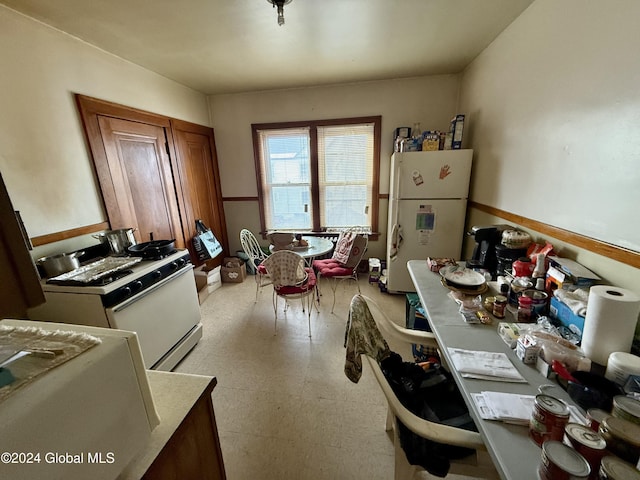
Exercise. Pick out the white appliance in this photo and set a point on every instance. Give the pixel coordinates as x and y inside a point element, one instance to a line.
<point>156,298</point>
<point>427,209</point>
<point>85,418</point>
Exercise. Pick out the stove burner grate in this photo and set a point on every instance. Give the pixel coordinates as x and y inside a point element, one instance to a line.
<point>159,256</point>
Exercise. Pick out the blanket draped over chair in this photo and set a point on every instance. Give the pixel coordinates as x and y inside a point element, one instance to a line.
<point>431,395</point>
<point>362,337</point>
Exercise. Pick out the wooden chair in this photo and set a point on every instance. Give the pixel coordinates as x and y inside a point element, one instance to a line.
<point>336,271</point>
<point>291,279</point>
<point>256,255</point>
<point>477,465</point>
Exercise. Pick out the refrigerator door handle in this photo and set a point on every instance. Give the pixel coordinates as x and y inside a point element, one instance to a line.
<point>396,241</point>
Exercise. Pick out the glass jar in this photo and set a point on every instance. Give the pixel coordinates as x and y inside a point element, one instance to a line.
<point>499,306</point>
<point>524,309</point>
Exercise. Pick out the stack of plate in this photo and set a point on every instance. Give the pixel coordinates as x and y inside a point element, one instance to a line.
<point>463,279</point>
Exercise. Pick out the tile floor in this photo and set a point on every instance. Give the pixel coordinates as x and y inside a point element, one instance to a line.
<point>284,408</point>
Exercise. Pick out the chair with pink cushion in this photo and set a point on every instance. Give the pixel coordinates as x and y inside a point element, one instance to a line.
<point>291,279</point>
<point>335,269</point>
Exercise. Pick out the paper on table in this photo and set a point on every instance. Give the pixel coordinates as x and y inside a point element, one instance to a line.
<point>507,407</point>
<point>514,408</point>
<point>485,365</point>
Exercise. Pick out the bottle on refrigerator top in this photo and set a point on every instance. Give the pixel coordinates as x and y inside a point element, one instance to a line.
<point>457,127</point>
<point>416,132</point>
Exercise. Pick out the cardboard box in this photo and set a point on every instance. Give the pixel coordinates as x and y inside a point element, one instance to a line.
<point>569,272</point>
<point>201,286</point>
<point>233,270</point>
<point>566,317</point>
<point>527,350</point>
<point>207,280</point>
<point>457,127</point>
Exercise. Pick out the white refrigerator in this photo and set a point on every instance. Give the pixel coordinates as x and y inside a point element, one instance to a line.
<point>427,208</point>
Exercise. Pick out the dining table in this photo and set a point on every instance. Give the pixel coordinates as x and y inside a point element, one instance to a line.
<point>316,247</point>
<point>515,455</point>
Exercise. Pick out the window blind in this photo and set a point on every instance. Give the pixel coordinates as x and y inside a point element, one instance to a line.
<point>345,175</point>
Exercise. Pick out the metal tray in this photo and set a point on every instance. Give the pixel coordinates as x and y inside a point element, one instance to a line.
<point>95,270</point>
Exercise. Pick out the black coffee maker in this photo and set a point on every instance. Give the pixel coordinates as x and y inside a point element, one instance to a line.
<point>484,251</point>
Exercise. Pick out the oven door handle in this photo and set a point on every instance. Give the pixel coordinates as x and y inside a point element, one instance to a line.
<point>148,291</point>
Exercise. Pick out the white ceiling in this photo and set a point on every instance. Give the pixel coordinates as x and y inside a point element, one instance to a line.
<point>229,46</point>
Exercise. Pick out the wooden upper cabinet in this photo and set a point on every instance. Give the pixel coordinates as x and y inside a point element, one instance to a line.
<point>141,176</point>
<point>200,197</point>
<point>157,175</point>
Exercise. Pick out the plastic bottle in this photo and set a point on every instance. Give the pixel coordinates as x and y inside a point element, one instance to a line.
<point>416,132</point>
<point>539,270</point>
<point>416,136</point>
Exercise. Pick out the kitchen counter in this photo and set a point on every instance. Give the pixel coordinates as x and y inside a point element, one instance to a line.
<point>185,444</point>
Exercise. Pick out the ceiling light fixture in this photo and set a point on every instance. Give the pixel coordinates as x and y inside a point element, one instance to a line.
<point>280,4</point>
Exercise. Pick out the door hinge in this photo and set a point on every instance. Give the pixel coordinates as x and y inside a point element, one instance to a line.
<point>166,147</point>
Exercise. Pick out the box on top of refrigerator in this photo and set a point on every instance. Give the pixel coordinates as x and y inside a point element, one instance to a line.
<point>457,127</point>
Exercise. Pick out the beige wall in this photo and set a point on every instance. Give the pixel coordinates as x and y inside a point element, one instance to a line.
<point>554,116</point>
<point>537,97</point>
<point>43,156</point>
<point>428,100</point>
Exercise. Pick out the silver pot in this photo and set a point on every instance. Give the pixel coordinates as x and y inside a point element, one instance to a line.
<point>55,265</point>
<point>118,240</point>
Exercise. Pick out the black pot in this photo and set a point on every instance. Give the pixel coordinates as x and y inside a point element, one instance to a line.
<point>153,249</point>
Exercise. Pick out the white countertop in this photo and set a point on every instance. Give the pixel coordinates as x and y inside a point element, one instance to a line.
<point>174,395</point>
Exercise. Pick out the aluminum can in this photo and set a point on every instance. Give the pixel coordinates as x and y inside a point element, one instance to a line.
<point>614,468</point>
<point>595,417</point>
<point>561,462</point>
<point>627,408</point>
<point>548,420</point>
<point>587,443</point>
<point>622,437</point>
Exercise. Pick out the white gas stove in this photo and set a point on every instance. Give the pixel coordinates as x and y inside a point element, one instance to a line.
<point>155,298</point>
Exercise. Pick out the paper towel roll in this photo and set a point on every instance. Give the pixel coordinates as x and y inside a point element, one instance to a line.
<point>610,322</point>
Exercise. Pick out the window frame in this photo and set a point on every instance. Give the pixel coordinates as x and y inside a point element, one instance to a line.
<point>313,159</point>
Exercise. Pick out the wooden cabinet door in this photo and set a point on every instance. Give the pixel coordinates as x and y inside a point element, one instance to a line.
<point>156,174</point>
<point>201,197</point>
<point>19,280</point>
<point>140,170</point>
<point>132,151</point>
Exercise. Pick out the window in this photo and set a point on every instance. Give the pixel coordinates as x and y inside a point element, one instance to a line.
<point>318,175</point>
